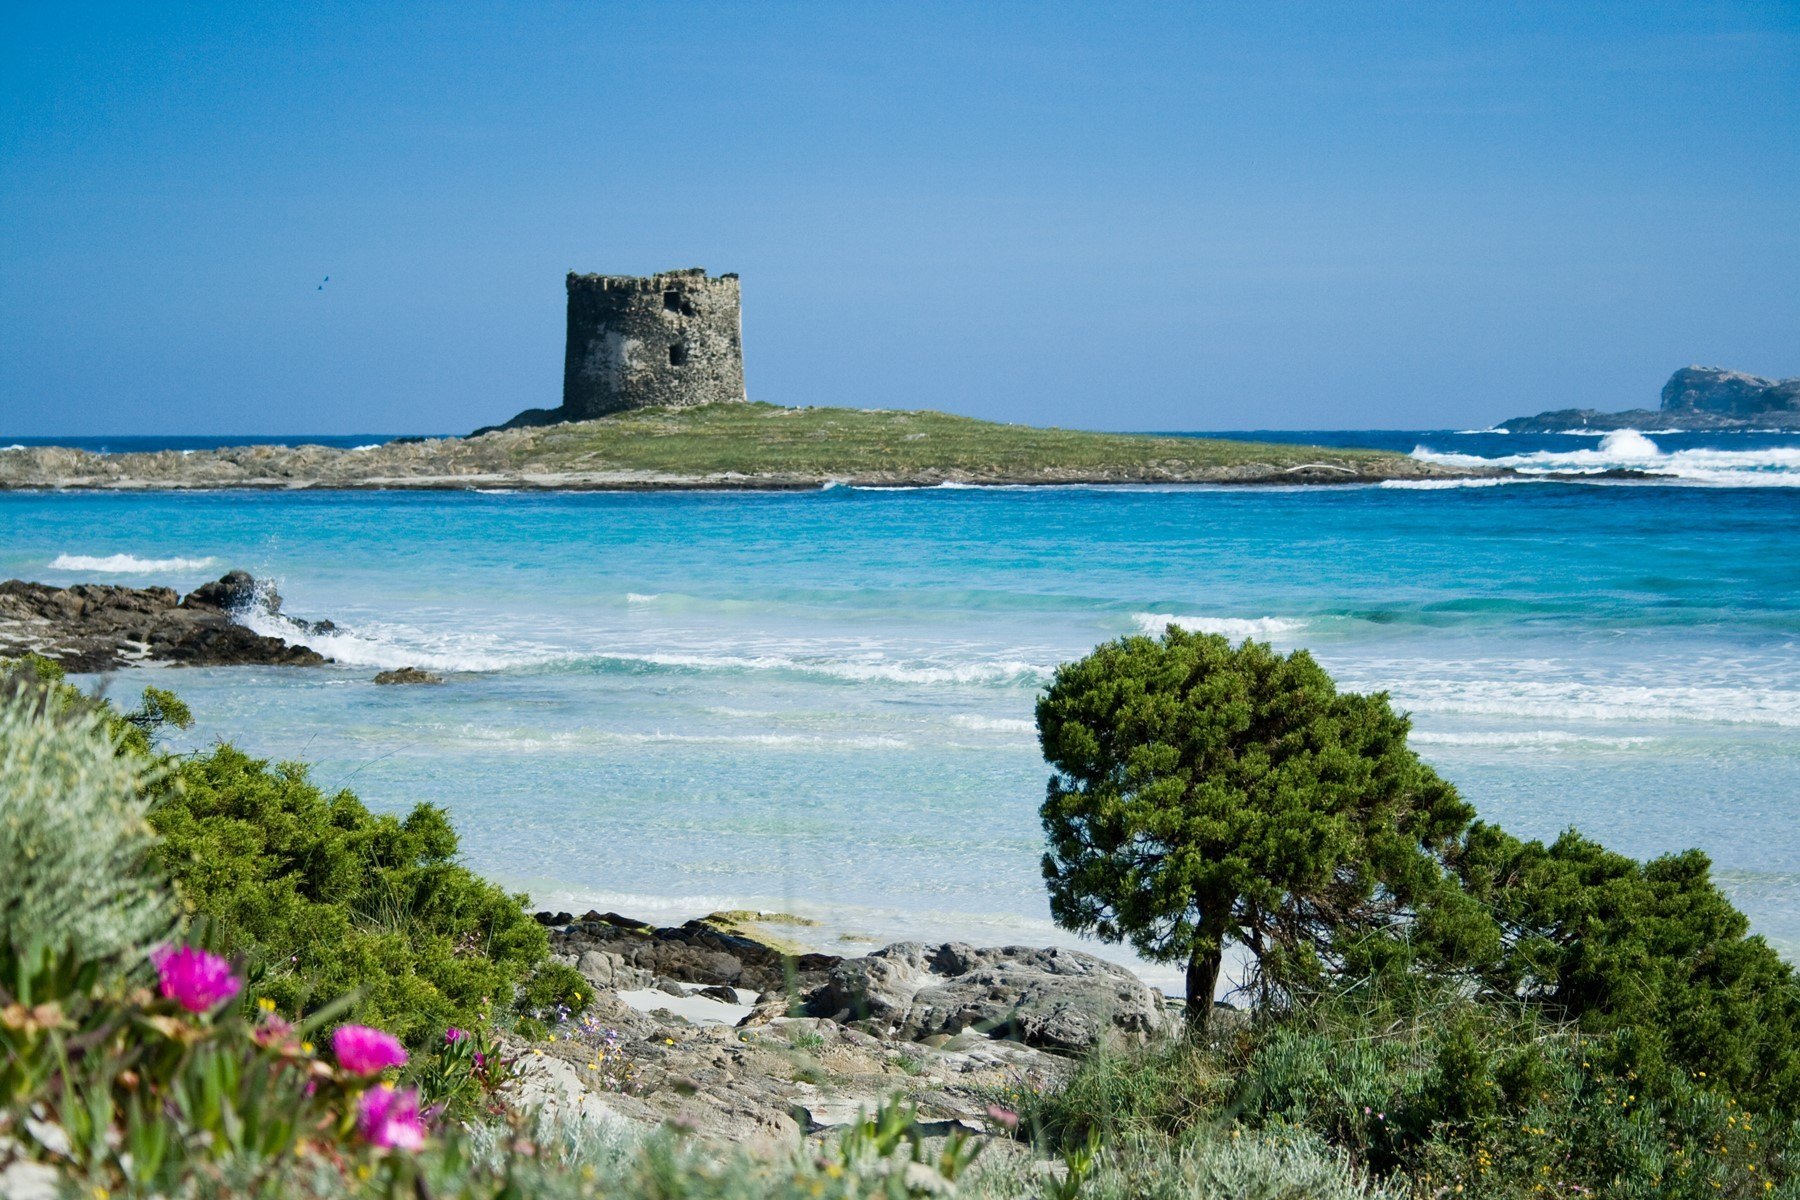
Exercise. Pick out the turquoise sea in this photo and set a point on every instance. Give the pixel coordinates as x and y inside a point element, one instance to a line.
<point>822,702</point>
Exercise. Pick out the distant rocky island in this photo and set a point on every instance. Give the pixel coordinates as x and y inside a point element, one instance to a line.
<point>1695,398</point>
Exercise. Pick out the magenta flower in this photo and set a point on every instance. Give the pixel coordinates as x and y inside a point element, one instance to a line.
<point>364,1051</point>
<point>193,978</point>
<point>453,1035</point>
<point>390,1119</point>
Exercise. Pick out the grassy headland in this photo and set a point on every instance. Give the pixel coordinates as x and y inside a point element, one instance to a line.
<point>730,445</point>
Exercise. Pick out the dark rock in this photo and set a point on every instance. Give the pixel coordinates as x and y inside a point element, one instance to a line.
<point>1055,998</point>
<point>1695,399</point>
<point>696,952</point>
<point>232,592</point>
<point>101,627</point>
<point>1729,393</point>
<point>720,992</point>
<point>408,675</point>
<point>549,918</point>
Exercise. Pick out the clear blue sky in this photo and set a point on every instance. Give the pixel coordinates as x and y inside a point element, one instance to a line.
<point>1118,216</point>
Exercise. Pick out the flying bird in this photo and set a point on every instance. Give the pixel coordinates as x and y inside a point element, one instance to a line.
<point>323,282</point>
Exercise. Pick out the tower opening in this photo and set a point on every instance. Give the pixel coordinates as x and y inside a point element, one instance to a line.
<point>675,302</point>
<point>678,354</point>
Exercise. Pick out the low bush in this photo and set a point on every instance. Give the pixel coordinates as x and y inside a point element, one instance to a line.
<point>324,898</point>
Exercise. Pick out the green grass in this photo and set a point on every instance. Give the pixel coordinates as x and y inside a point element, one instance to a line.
<point>822,443</point>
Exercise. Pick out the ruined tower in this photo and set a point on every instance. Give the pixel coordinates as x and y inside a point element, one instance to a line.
<point>669,339</point>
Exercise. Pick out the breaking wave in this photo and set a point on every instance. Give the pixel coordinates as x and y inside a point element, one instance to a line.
<point>1237,628</point>
<point>1545,700</point>
<point>994,724</point>
<point>128,564</point>
<point>1524,739</point>
<point>1630,450</point>
<point>384,645</point>
<point>1438,485</point>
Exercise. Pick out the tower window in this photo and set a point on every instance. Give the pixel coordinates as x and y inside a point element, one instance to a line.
<point>678,354</point>
<point>675,302</point>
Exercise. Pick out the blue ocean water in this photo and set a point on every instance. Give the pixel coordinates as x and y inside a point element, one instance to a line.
<point>822,702</point>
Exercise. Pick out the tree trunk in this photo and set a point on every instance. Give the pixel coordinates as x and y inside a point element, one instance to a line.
<point>1202,981</point>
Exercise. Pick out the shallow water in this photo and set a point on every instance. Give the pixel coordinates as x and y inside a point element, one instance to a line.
<point>822,702</point>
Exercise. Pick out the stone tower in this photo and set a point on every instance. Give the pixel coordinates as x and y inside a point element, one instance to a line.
<point>666,340</point>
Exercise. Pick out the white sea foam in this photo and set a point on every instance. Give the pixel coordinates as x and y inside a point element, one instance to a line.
<point>14,446</point>
<point>642,597</point>
<point>383,645</point>
<point>535,742</point>
<point>985,672</point>
<point>1524,739</point>
<point>1263,628</point>
<point>1569,700</point>
<point>1630,450</point>
<point>128,564</point>
<point>1439,485</point>
<point>993,724</point>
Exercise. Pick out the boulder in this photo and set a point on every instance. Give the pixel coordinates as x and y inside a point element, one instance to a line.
<point>608,972</point>
<point>405,675</point>
<point>1054,998</point>
<point>696,952</point>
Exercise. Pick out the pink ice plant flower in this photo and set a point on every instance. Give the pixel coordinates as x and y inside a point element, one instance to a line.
<point>390,1118</point>
<point>193,978</point>
<point>453,1035</point>
<point>364,1051</point>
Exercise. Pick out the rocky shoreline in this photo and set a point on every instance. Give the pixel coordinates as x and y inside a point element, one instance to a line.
<point>92,627</point>
<point>719,1030</point>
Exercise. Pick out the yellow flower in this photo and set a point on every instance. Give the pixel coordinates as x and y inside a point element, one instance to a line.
<point>266,1004</point>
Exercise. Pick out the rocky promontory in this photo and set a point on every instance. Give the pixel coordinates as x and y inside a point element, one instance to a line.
<point>727,1035</point>
<point>726,446</point>
<point>1698,399</point>
<point>101,627</point>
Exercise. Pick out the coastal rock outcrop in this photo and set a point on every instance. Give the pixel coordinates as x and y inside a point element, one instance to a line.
<point>701,951</point>
<point>1695,399</point>
<point>102,627</point>
<point>1054,998</point>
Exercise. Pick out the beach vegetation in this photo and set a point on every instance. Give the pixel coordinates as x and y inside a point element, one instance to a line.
<point>770,442</point>
<point>323,898</point>
<point>1652,951</point>
<point>1206,794</point>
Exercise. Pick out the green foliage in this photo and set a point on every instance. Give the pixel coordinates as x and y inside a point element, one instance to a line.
<point>1432,1092</point>
<point>325,898</point>
<point>1653,949</point>
<point>766,440</point>
<point>75,845</point>
<point>1205,793</point>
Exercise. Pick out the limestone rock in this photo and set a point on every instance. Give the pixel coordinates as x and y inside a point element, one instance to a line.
<point>697,952</point>
<point>101,627</point>
<point>1695,399</point>
<point>1056,998</point>
<point>404,675</point>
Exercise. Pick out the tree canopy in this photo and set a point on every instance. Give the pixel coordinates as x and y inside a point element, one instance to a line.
<point>1205,793</point>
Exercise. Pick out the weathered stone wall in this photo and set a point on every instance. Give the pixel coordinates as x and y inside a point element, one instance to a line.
<point>669,339</point>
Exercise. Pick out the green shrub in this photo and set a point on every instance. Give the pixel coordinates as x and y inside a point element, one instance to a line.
<point>1206,793</point>
<point>325,899</point>
<point>1654,949</point>
<point>75,845</point>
